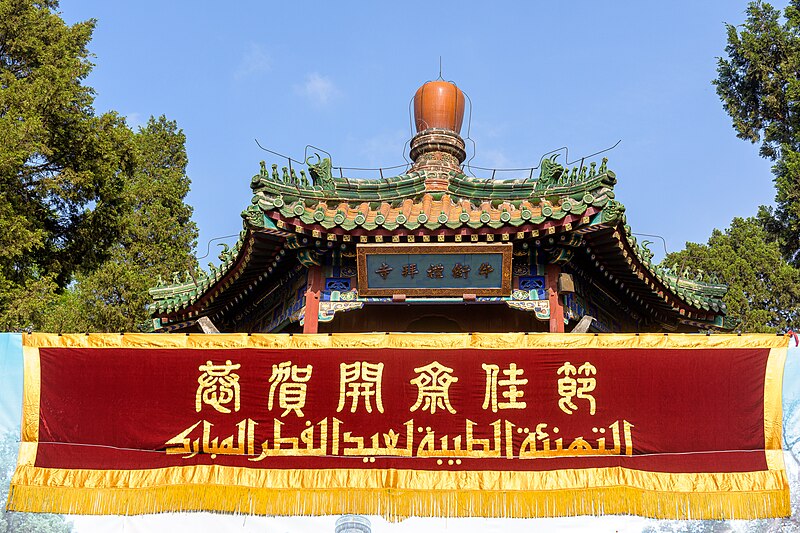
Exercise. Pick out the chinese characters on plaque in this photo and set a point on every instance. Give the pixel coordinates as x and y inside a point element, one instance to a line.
<point>434,270</point>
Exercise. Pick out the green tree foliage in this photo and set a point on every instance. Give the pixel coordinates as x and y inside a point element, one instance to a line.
<point>759,84</point>
<point>60,164</point>
<point>156,238</point>
<point>763,289</point>
<point>90,213</point>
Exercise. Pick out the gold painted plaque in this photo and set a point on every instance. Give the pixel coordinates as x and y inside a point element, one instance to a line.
<point>434,269</point>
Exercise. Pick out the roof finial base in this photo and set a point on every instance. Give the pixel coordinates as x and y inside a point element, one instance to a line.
<point>437,151</point>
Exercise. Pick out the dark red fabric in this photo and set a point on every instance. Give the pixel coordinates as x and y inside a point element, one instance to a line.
<point>695,410</point>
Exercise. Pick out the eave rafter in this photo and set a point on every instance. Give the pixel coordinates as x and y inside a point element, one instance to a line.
<point>256,254</point>
<point>615,253</point>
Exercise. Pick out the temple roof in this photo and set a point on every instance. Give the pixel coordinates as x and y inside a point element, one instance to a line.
<point>565,207</point>
<point>571,216</point>
<point>403,202</point>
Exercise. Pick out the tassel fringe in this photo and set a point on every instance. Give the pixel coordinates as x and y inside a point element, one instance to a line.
<point>395,504</point>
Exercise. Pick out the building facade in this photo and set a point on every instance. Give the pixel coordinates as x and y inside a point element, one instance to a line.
<point>436,250</point>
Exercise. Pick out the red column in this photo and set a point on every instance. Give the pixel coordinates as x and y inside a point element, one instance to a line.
<point>313,289</point>
<point>556,307</point>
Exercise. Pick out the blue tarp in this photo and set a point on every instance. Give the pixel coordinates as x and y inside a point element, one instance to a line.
<point>10,382</point>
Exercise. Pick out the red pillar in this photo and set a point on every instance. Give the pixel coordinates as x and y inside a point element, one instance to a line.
<point>556,306</point>
<point>313,289</point>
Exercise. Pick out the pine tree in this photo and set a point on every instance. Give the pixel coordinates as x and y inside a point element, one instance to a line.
<point>759,84</point>
<point>763,289</point>
<point>61,165</point>
<point>156,238</point>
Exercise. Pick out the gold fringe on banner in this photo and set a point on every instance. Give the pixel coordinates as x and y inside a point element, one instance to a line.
<point>397,505</point>
<point>396,494</point>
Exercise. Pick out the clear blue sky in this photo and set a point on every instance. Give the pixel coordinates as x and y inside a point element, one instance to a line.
<point>540,75</point>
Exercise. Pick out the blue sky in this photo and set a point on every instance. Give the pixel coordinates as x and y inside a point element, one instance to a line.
<point>540,75</point>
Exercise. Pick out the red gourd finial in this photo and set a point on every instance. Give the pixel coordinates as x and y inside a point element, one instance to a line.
<point>439,104</point>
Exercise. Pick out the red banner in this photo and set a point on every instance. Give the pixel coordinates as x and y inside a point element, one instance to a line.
<point>503,425</point>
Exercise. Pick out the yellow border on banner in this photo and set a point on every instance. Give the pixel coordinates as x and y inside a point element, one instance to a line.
<point>773,410</point>
<point>401,493</point>
<point>426,341</point>
<point>31,394</point>
<point>27,454</point>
